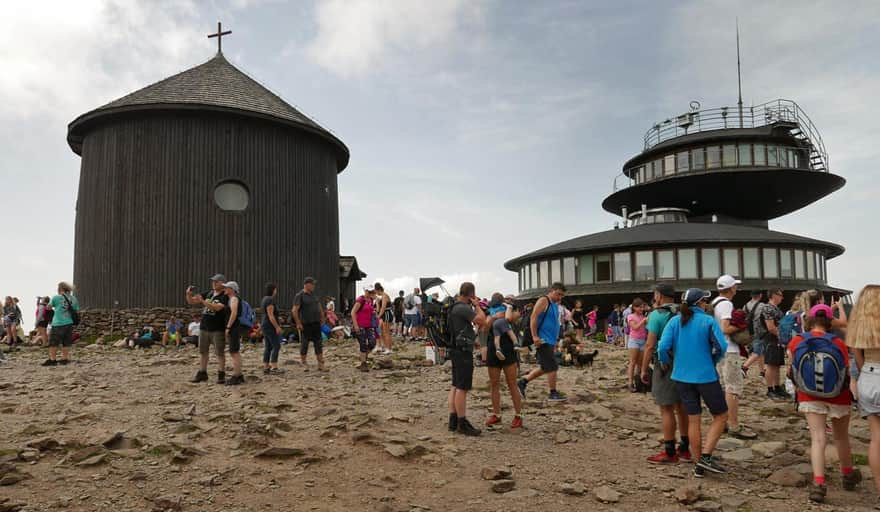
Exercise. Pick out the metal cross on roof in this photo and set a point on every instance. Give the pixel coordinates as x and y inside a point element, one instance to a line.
<point>219,35</point>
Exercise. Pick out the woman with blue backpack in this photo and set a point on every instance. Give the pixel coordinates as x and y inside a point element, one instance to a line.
<point>236,327</point>
<point>863,336</point>
<point>820,370</point>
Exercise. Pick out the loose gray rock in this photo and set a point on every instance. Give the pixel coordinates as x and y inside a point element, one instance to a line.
<point>689,494</point>
<point>502,486</point>
<point>606,494</point>
<point>707,506</point>
<point>768,449</point>
<point>396,450</point>
<point>279,452</point>
<point>788,477</point>
<point>572,489</point>
<point>495,473</point>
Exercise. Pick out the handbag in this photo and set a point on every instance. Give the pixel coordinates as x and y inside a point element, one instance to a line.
<point>74,314</point>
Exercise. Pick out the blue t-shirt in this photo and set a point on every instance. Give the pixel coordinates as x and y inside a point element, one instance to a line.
<point>658,319</point>
<point>691,346</point>
<point>62,312</point>
<point>173,327</point>
<point>548,324</point>
<point>497,309</point>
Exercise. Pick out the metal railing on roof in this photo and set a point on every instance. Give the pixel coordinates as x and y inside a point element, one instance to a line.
<point>765,114</point>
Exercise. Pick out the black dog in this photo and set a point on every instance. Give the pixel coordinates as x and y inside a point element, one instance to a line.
<point>586,359</point>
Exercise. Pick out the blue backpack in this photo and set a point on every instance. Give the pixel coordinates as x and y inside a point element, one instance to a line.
<point>246,317</point>
<point>789,326</point>
<point>818,367</point>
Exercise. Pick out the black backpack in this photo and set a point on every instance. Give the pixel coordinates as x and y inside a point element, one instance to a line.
<point>437,322</point>
<point>525,325</point>
<point>750,318</point>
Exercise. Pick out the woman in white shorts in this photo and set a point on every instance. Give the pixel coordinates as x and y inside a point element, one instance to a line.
<point>863,335</point>
<point>818,410</point>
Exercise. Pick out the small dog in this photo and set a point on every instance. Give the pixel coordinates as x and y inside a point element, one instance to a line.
<point>586,359</point>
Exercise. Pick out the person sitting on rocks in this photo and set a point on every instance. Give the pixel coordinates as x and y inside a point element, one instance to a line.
<point>255,334</point>
<point>696,340</point>
<point>173,331</point>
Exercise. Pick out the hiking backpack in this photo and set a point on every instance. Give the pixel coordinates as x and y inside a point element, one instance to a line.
<point>818,367</point>
<point>437,322</point>
<point>751,314</point>
<point>789,326</point>
<point>409,302</point>
<point>525,323</point>
<point>246,316</point>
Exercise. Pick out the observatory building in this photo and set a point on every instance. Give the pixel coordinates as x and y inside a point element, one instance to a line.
<point>205,171</point>
<point>695,204</point>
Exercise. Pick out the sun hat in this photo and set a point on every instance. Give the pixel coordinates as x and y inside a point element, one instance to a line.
<point>694,295</point>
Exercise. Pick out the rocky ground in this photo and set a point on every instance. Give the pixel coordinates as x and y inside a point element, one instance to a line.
<point>123,430</point>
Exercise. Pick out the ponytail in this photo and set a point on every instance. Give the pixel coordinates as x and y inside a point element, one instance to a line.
<point>686,313</point>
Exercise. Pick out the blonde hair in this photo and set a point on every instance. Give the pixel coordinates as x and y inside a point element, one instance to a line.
<point>863,330</point>
<point>810,298</point>
<point>65,287</point>
<point>798,305</point>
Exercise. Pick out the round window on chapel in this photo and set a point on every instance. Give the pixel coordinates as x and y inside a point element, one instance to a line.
<point>231,196</point>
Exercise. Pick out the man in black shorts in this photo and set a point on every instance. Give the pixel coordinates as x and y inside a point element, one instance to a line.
<point>309,316</point>
<point>463,315</point>
<point>545,324</point>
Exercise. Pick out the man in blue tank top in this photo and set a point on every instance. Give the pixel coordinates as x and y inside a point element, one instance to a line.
<point>545,324</point>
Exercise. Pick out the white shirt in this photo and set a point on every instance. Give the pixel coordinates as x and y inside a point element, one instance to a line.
<point>417,301</point>
<point>194,329</point>
<point>724,311</point>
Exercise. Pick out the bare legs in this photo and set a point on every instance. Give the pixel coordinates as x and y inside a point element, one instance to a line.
<point>840,427</point>
<point>874,449</point>
<point>635,361</point>
<point>495,383</point>
<point>716,428</point>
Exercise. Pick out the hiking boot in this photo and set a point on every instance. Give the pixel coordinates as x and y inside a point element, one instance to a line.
<point>221,377</point>
<point>663,458</point>
<point>364,367</point>
<point>709,464</point>
<point>492,420</point>
<point>267,371</point>
<point>699,472</point>
<point>818,492</point>
<point>235,380</point>
<point>851,480</point>
<point>556,396</point>
<point>776,396</point>
<point>63,361</point>
<point>201,376</point>
<point>50,362</point>
<point>684,455</point>
<point>453,422</point>
<point>517,422</point>
<point>521,384</point>
<point>740,432</point>
<point>465,428</point>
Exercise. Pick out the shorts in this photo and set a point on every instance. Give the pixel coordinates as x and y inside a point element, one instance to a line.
<point>311,333</point>
<point>411,320</point>
<point>217,339</point>
<point>710,393</point>
<point>462,369</point>
<point>869,389</point>
<point>774,353</point>
<point>235,336</point>
<point>191,340</point>
<point>43,324</point>
<point>663,388</point>
<point>636,344</point>
<point>61,335</point>
<point>730,372</point>
<point>366,337</point>
<point>758,347</point>
<point>833,411</point>
<point>546,355</point>
<point>388,317</point>
<point>511,356</point>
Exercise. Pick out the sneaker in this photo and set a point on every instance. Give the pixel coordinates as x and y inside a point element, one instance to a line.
<point>851,480</point>
<point>387,352</point>
<point>276,371</point>
<point>221,377</point>
<point>267,371</point>
<point>775,396</point>
<point>556,396</point>
<point>377,350</point>
<point>517,422</point>
<point>500,355</point>
<point>64,361</point>
<point>684,455</point>
<point>492,420</point>
<point>663,458</point>
<point>521,384</point>
<point>699,472</point>
<point>364,367</point>
<point>465,428</point>
<point>709,464</point>
<point>50,362</point>
<point>741,432</point>
<point>201,376</point>
<point>817,493</point>
<point>235,380</point>
<point>453,421</point>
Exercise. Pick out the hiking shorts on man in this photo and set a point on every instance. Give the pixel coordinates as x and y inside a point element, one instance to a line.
<point>730,372</point>
<point>710,393</point>
<point>410,320</point>
<point>61,336</point>
<point>216,339</point>
<point>311,333</point>
<point>758,347</point>
<point>462,369</point>
<point>663,388</point>
<point>546,355</point>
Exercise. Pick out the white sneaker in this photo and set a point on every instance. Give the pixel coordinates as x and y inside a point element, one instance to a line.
<point>377,350</point>
<point>387,352</point>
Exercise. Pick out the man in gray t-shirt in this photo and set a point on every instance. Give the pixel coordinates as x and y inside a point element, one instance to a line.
<point>309,315</point>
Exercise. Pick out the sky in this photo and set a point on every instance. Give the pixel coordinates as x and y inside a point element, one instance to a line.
<point>479,130</point>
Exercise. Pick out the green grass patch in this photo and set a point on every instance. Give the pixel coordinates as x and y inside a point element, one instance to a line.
<point>860,459</point>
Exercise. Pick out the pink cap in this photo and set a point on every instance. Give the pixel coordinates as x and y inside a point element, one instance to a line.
<point>814,311</point>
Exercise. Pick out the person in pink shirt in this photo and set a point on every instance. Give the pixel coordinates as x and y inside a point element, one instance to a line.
<point>591,320</point>
<point>638,336</point>
<point>364,321</point>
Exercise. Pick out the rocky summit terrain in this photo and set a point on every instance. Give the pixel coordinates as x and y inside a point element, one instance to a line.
<point>122,430</point>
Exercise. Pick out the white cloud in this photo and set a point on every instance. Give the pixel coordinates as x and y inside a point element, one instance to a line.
<point>356,35</point>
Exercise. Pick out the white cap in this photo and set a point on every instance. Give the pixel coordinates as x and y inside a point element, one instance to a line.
<point>369,289</point>
<point>726,282</point>
<point>233,285</point>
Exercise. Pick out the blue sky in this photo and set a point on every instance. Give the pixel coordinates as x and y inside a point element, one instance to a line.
<point>479,130</point>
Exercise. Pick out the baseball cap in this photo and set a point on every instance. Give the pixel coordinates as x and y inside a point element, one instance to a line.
<point>694,295</point>
<point>369,288</point>
<point>756,293</point>
<point>814,311</point>
<point>727,282</point>
<point>310,280</point>
<point>233,285</point>
<point>219,278</point>
<point>665,289</point>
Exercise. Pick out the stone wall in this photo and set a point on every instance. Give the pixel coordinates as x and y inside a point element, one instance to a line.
<point>97,322</point>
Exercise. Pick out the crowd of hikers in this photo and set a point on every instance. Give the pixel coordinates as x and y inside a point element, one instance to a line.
<point>688,349</point>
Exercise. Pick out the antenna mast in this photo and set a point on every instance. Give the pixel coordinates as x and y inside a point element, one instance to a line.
<point>739,77</point>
